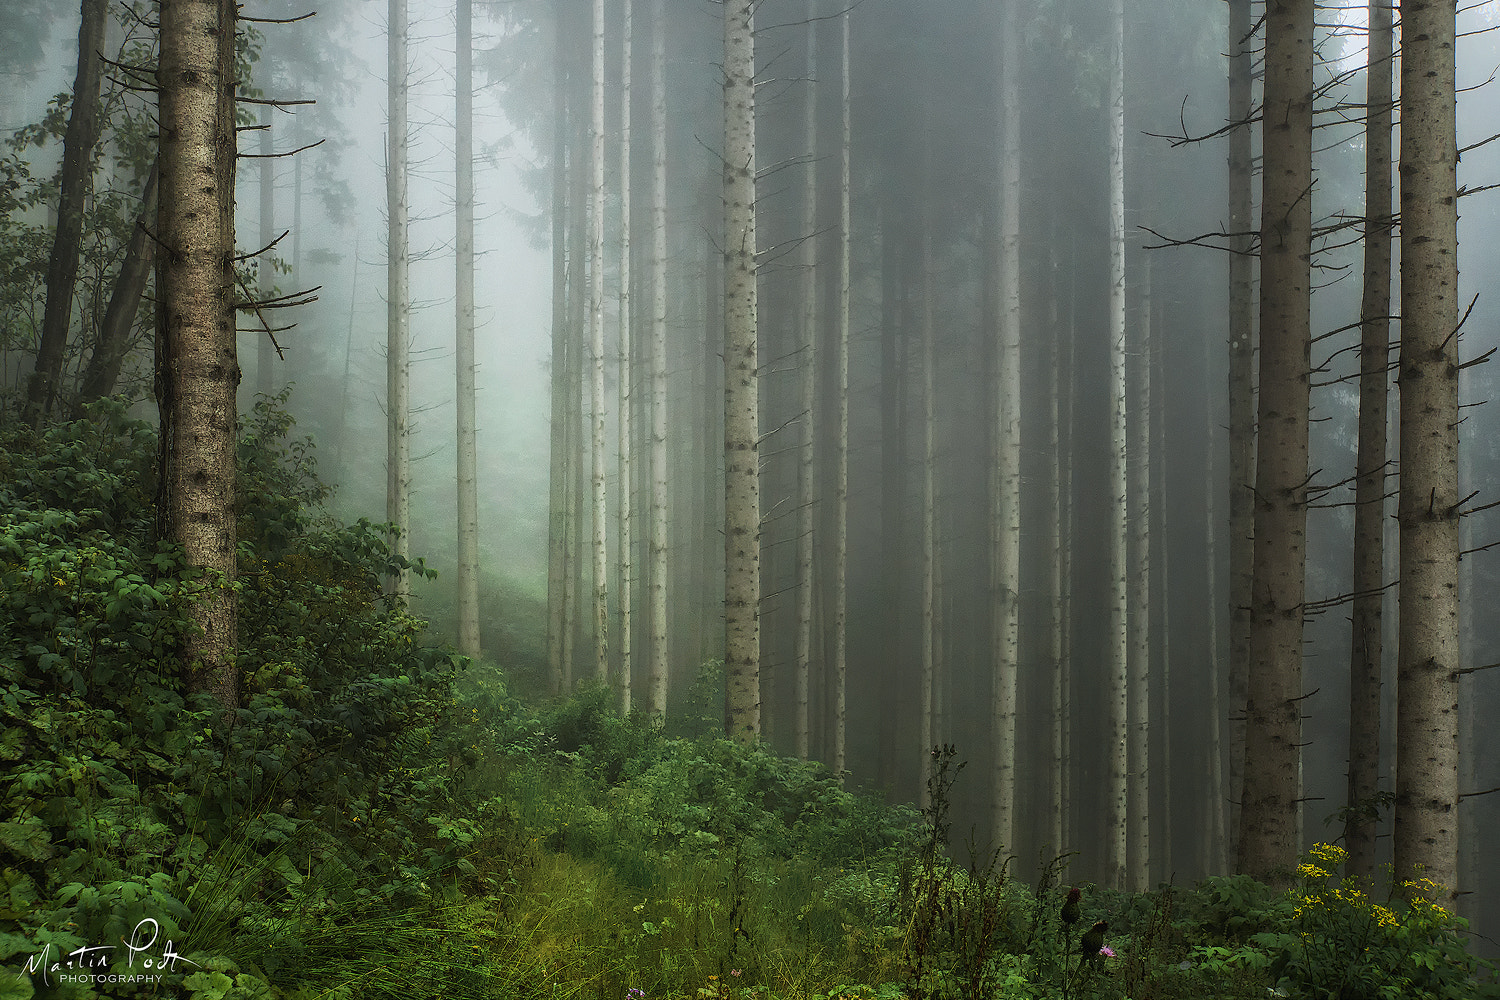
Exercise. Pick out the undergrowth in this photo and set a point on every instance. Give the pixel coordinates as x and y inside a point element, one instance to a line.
<point>384,819</point>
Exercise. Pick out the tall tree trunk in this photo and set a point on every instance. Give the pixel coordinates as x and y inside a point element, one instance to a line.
<point>929,502</point>
<point>841,447</point>
<point>1268,820</point>
<point>1005,523</point>
<point>808,379</point>
<point>657,671</point>
<point>197,368</point>
<point>468,458</point>
<point>1214,835</point>
<point>113,344</point>
<point>398,304</point>
<point>1426,833</point>
<point>626,392</point>
<point>1138,504</point>
<point>598,542</point>
<point>1241,394</point>
<point>77,176</point>
<point>741,419</point>
<point>1372,463</point>
<point>560,469</point>
<point>1116,815</point>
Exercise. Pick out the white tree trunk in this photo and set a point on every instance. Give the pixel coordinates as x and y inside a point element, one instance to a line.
<point>560,468</point>
<point>398,303</point>
<point>1117,633</point>
<point>741,379</point>
<point>468,458</point>
<point>657,671</point>
<point>599,546</point>
<point>626,393</point>
<point>1005,555</point>
<point>808,380</point>
<point>841,485</point>
<point>1139,617</point>
<point>1427,509</point>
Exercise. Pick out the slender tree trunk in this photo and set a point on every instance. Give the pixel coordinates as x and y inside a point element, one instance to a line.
<point>741,419</point>
<point>77,177</point>
<point>626,393</point>
<point>599,546</point>
<point>103,370</point>
<point>1116,817</point>
<point>1372,463</point>
<point>1005,524</point>
<point>1426,832</point>
<point>198,372</point>
<point>1139,617</point>
<point>657,671</point>
<point>1161,582</point>
<point>468,458</point>
<point>398,304</point>
<point>808,380</point>
<point>841,461</point>
<point>1241,394</point>
<point>1268,821</point>
<point>929,505</point>
<point>1214,838</point>
<point>560,468</point>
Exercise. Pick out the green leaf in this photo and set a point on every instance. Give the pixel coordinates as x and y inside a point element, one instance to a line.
<point>29,839</point>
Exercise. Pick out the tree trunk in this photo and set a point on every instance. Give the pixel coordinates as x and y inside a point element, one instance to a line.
<point>626,392</point>
<point>841,461</point>
<point>657,671</point>
<point>929,503</point>
<point>113,343</point>
<point>1138,504</point>
<point>808,379</point>
<point>398,305</point>
<point>468,458</point>
<point>1214,836</point>
<point>77,177</point>
<point>598,542</point>
<point>1241,394</point>
<point>1372,463</point>
<point>560,469</point>
<point>197,368</point>
<point>741,419</point>
<point>1268,820</point>
<point>1005,539</point>
<point>1426,832</point>
<point>1116,816</point>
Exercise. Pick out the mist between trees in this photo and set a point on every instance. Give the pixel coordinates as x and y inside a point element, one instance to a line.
<point>891,368</point>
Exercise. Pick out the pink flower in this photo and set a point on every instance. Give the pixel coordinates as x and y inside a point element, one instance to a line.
<point>1107,951</point>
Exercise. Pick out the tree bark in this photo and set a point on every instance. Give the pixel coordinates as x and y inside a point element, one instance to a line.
<point>657,671</point>
<point>198,371</point>
<point>468,457</point>
<point>741,419</point>
<point>807,383</point>
<point>1269,817</point>
<point>398,303</point>
<point>1372,462</point>
<point>1426,832</point>
<point>598,542</point>
<point>77,177</point>
<point>841,461</point>
<point>1241,394</point>
<point>1005,546</point>
<point>626,391</point>
<point>1138,504</point>
<point>560,469</point>
<point>1117,814</point>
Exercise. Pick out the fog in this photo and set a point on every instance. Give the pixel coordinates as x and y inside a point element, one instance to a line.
<point>924,201</point>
